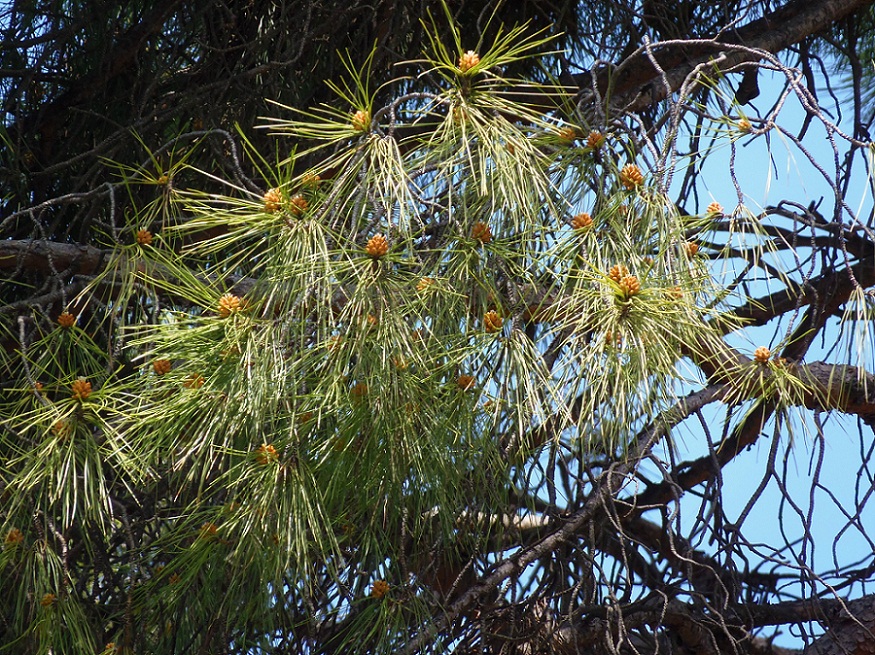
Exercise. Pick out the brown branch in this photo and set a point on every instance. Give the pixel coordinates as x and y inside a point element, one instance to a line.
<point>637,85</point>
<point>699,633</point>
<point>839,387</point>
<point>850,626</point>
<point>609,483</point>
<point>49,257</point>
<point>839,286</point>
<point>850,623</point>
<point>852,629</point>
<point>832,387</point>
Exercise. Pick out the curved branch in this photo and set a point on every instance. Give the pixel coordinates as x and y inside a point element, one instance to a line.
<point>640,84</point>
<point>833,387</point>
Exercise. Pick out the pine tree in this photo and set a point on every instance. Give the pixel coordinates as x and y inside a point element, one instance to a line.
<point>419,380</point>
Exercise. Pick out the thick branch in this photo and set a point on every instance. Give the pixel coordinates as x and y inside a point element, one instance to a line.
<point>762,310</point>
<point>832,388</point>
<point>48,257</point>
<point>850,623</point>
<point>640,85</point>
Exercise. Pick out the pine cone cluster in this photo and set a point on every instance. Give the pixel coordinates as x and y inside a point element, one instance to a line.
<point>297,205</point>
<point>481,232</point>
<point>714,208</point>
<point>208,530</point>
<point>595,140</point>
<point>62,430</point>
<point>144,237</point>
<point>468,60</point>
<point>230,304</point>
<point>582,221</point>
<point>334,343</point>
<point>377,246</point>
<point>630,285</point>
<point>466,382</point>
<point>567,134</point>
<point>266,454</point>
<point>359,390</point>
<point>161,366</point>
<point>618,272</point>
<point>194,381</point>
<point>379,589</point>
<point>762,355</point>
<point>674,293</point>
<point>81,389</point>
<point>492,322</point>
<point>66,320</point>
<point>361,120</point>
<point>631,176</point>
<point>273,200</point>
<point>613,338</point>
<point>13,538</point>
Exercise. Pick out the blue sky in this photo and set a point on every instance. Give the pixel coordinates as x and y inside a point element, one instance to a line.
<point>770,168</point>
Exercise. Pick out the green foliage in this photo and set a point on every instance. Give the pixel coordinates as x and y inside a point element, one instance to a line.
<point>303,413</point>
